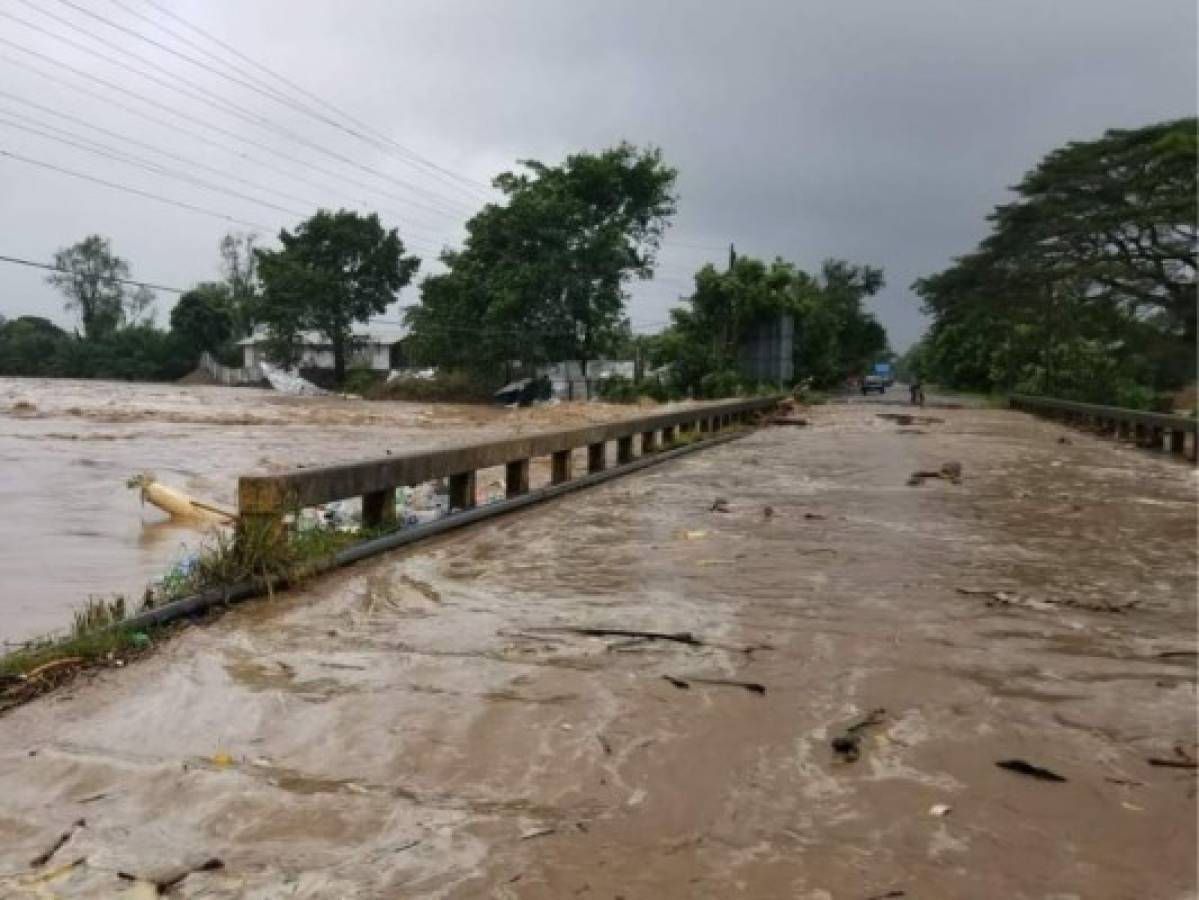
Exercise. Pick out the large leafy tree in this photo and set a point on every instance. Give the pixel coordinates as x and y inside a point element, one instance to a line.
<point>335,269</point>
<point>203,317</point>
<point>1086,286</point>
<point>90,276</point>
<point>543,276</point>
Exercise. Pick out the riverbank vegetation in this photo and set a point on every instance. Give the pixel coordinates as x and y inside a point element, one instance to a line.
<point>117,336</point>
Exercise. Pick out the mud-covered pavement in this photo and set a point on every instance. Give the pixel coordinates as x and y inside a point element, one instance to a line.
<point>407,729</point>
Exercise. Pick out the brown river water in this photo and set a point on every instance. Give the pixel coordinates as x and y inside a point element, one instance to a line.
<point>71,529</point>
<point>425,724</point>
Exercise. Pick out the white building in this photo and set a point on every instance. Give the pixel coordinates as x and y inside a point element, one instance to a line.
<point>374,347</point>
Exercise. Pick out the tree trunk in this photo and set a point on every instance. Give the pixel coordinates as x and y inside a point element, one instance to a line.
<point>339,359</point>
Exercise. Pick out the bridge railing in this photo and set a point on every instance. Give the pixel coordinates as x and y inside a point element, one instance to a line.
<point>267,498</point>
<point>1157,431</point>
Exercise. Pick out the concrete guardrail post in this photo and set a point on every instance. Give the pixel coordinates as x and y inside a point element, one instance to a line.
<point>649,442</point>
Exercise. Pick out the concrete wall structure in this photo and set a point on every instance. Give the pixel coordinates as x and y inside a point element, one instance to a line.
<point>768,353</point>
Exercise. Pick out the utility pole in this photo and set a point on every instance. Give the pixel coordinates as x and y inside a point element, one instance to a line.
<point>726,338</point>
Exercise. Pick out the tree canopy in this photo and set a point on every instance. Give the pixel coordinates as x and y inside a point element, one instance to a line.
<point>90,277</point>
<point>543,276</point>
<point>1086,286</point>
<point>834,336</point>
<point>203,317</point>
<point>335,269</point>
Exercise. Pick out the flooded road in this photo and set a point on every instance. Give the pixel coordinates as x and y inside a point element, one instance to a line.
<point>426,725</point>
<point>71,527</point>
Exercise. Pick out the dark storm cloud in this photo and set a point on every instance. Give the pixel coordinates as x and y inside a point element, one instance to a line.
<point>877,131</point>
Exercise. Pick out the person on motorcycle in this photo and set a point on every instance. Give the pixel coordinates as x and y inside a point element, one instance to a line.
<point>917,390</point>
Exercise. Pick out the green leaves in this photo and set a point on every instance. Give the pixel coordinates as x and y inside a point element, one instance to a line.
<point>203,318</point>
<point>542,277</point>
<point>90,277</point>
<point>834,337</point>
<point>1095,259</point>
<point>334,270</point>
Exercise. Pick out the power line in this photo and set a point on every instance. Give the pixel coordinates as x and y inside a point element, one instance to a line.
<point>195,135</point>
<point>148,165</point>
<point>128,158</point>
<point>464,179</point>
<point>224,131</point>
<point>156,149</point>
<point>373,135</point>
<point>130,190</point>
<point>202,94</point>
<point>16,260</point>
<point>249,86</point>
<point>131,160</point>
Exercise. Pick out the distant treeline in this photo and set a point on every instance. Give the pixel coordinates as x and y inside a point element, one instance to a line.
<point>1085,288</point>
<point>541,278</point>
<point>31,345</point>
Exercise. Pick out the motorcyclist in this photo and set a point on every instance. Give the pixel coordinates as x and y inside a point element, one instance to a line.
<point>917,390</point>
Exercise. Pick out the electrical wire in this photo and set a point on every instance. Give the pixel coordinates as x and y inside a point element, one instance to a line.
<point>198,136</point>
<point>129,159</point>
<point>249,86</point>
<point>464,179</point>
<point>124,156</point>
<point>16,260</point>
<point>224,131</point>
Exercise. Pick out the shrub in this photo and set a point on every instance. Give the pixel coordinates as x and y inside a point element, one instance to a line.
<point>361,381</point>
<point>618,389</point>
<point>444,387</point>
<point>716,385</point>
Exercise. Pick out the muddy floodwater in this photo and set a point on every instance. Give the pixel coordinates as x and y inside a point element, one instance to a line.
<point>863,653</point>
<point>71,528</point>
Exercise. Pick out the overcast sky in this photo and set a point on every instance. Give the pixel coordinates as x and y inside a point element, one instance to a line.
<point>874,130</point>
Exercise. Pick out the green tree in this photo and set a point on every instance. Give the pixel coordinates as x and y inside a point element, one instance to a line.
<point>30,345</point>
<point>1086,286</point>
<point>90,275</point>
<point>543,277</point>
<point>239,266</point>
<point>834,335</point>
<point>203,319</point>
<point>334,270</point>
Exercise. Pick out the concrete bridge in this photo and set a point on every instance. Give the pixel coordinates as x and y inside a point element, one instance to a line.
<point>805,690</point>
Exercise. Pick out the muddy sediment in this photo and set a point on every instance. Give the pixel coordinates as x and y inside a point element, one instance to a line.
<point>427,724</point>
